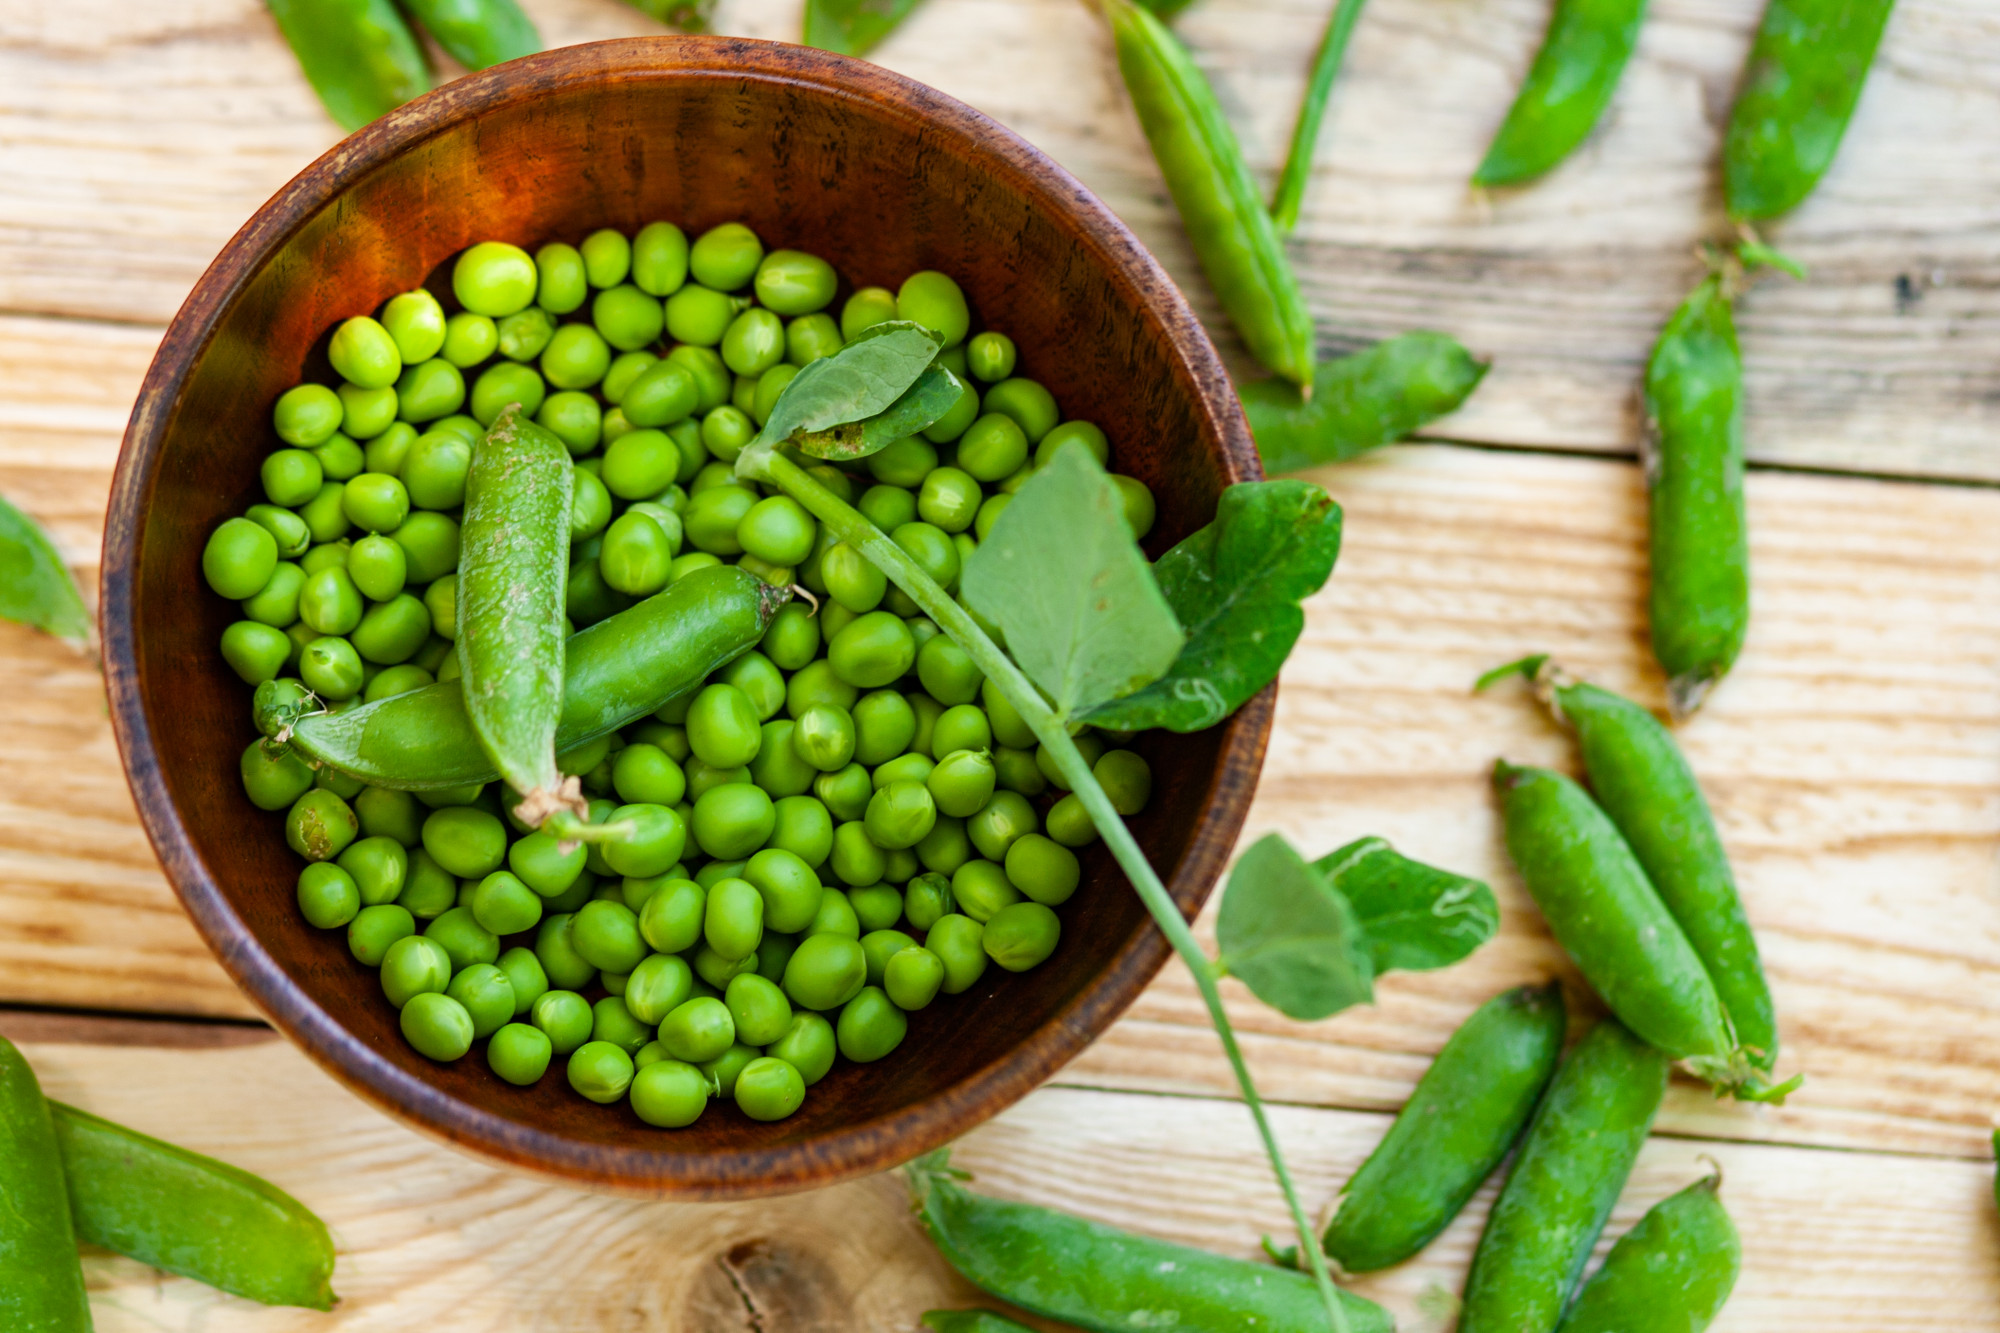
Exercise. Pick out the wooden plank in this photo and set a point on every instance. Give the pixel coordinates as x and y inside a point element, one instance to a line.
<point>434,1240</point>
<point>140,137</point>
<point>1849,760</point>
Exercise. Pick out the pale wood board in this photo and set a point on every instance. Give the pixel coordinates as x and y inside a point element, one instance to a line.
<point>430,1239</point>
<point>1850,760</point>
<point>139,137</point>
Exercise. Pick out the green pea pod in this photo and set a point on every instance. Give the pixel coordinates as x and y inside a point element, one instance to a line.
<point>1113,1281</point>
<point>1465,1114</point>
<point>1371,398</point>
<point>853,27</point>
<point>184,1213</point>
<point>1567,89</point>
<point>687,15</point>
<point>1641,779</point>
<point>1693,452</point>
<point>1225,216</point>
<point>1607,916</point>
<point>478,33</point>
<point>970,1321</point>
<point>619,669</point>
<point>359,55</point>
<point>513,567</point>
<point>1799,88</point>
<point>1570,1170</point>
<point>41,1282</point>
<point>1291,193</point>
<point>1669,1274</point>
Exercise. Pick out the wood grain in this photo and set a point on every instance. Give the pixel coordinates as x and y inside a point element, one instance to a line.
<point>432,1240</point>
<point>140,137</point>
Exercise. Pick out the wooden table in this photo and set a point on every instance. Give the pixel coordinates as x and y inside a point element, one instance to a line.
<point>1853,758</point>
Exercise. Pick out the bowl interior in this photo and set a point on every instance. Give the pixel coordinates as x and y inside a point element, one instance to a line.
<point>882,178</point>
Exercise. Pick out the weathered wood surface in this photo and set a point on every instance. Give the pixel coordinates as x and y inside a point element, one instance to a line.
<point>431,1240</point>
<point>136,138</point>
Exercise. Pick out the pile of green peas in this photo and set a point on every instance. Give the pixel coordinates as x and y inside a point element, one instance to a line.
<point>833,830</point>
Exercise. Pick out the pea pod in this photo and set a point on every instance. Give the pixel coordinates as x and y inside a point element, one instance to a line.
<point>1370,398</point>
<point>359,55</point>
<point>1693,452</point>
<point>1233,235</point>
<point>1571,82</point>
<point>1641,779</point>
<point>853,27</point>
<point>1465,1114</point>
<point>970,1321</point>
<point>1607,917</point>
<point>1800,85</point>
<point>1291,192</point>
<point>1669,1274</point>
<point>478,33</point>
<point>1098,1277</point>
<point>41,1282</point>
<point>619,669</point>
<point>1572,1166</point>
<point>513,567</point>
<point>184,1213</point>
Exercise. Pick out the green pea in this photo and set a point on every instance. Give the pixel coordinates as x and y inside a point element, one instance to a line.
<point>378,867</point>
<point>607,257</point>
<point>605,934</point>
<point>1079,431</point>
<point>435,469</point>
<point>777,529</point>
<point>875,650</point>
<point>461,936</point>
<point>485,993</point>
<point>705,778</point>
<point>960,727</point>
<point>525,976</point>
<point>494,279</point>
<point>993,447</point>
<point>665,393</point>
<point>466,841</point>
<point>804,828</point>
<point>955,940</point>
<point>329,603</point>
<point>1032,408</point>
<point>825,972</point>
<point>386,452</point>
<point>415,321</point>
<point>845,794</point>
<point>240,558</point>
<point>339,458</point>
<point>504,905</point>
<point>526,333</point>
<point>1043,869</point>
<point>794,283</point>
<point>574,418</point>
<point>723,727</point>
<point>539,861</point>
<point>726,257</point>
<point>888,507</point>
<point>810,337</point>
<point>949,499</point>
<point>256,653</point>
<point>1070,824</point>
<point>884,726</point>
<point>613,1023</point>
<point>698,1030</point>
<point>778,767</point>
<point>391,681</point>
<point>646,773</point>
<point>273,781</point>
<point>713,516</point>
<point>366,413</point>
<point>428,890</point>
<point>953,424</point>
<point>431,389</point>
<point>865,309</point>
<point>393,630</point>
<point>754,342</point>
<point>962,782</point>
<point>601,1071</point>
<point>387,813</point>
<point>726,430</point>
<point>855,858</point>
<point>770,385</point>
<point>306,415</point>
<point>468,340</point>
<point>324,518</point>
<point>793,637</point>
<point>505,383</point>
<point>912,767</point>
<point>519,1054</point>
<point>374,929</point>
<point>437,1026</point>
<point>287,529</point>
<point>1126,779</point>
<point>876,906</point>
<point>376,502</point>
<point>990,356</point>
<point>733,923</point>
<point>852,579</point>
<point>731,822</point>
<point>905,463</point>
<point>870,1026</point>
<point>669,1093</point>
<point>699,315</point>
<point>879,945</point>
<point>565,1017</point>
<point>981,889</point>
<point>331,668</point>
<point>636,556</point>
<point>430,546</point>
<point>555,946</point>
<point>715,970</point>
<point>933,300</point>
<point>768,1088</point>
<point>340,784</point>
<point>1021,936</point>
<point>900,815</point>
<point>1089,745</point>
<point>946,847</point>
<point>1140,510</point>
<point>789,891</point>
<point>327,895</point>
<point>999,823</point>
<point>825,737</point>
<point>932,549</point>
<point>590,506</point>
<point>319,826</point>
<point>659,258</point>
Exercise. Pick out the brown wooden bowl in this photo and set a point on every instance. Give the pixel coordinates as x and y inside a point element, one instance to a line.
<point>881,176</point>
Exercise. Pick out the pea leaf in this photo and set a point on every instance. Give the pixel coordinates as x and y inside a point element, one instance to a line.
<point>1070,590</point>
<point>1236,586</point>
<point>1360,401</point>
<point>1416,917</point>
<point>935,393</point>
<point>1291,936</point>
<point>853,27</point>
<point>861,380</point>
<point>35,586</point>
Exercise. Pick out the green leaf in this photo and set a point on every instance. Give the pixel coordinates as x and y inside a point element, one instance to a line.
<point>1069,588</point>
<point>1416,917</point>
<point>35,586</point>
<point>935,393</point>
<point>861,380</point>
<point>853,27</point>
<point>1236,586</point>
<point>1360,401</point>
<point>1292,937</point>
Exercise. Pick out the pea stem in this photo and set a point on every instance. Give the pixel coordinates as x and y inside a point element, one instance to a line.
<point>852,527</point>
<point>1305,136</point>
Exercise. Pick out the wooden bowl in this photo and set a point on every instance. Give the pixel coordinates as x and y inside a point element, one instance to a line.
<point>881,176</point>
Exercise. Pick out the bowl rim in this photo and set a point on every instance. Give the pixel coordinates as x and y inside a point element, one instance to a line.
<point>851,1150</point>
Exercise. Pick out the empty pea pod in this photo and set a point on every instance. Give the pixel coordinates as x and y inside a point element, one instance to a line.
<point>1579,1150</point>
<point>1800,85</point>
<point>1607,916</point>
<point>1669,1274</point>
<point>185,1213</point>
<point>1642,781</point>
<point>618,670</point>
<point>1571,82</point>
<point>1693,451</point>
<point>1226,220</point>
<point>1111,1281</point>
<point>1465,1114</point>
<point>513,568</point>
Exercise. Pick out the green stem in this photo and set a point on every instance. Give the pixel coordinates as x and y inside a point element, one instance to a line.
<point>853,528</point>
<point>1305,136</point>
